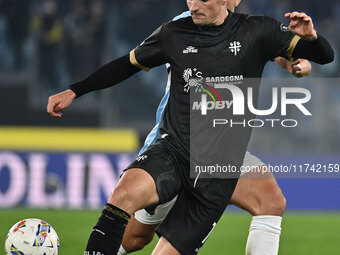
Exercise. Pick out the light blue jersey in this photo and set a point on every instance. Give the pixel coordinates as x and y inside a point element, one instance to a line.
<point>154,134</point>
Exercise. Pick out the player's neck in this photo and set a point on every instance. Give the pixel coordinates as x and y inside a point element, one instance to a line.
<point>221,18</point>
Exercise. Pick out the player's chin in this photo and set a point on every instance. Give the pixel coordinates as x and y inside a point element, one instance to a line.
<point>199,21</point>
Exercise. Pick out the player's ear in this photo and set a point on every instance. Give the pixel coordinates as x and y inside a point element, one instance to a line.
<point>237,2</point>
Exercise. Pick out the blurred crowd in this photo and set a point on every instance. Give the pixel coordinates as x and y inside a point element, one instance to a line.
<point>55,37</point>
<point>52,43</point>
<point>63,40</point>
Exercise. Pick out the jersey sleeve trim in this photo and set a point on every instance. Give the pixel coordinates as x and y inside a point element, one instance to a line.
<point>134,61</point>
<point>291,47</point>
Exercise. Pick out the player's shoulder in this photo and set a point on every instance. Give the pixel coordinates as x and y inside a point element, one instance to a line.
<point>178,25</point>
<point>183,15</point>
<point>182,22</point>
<point>262,19</point>
<point>173,27</point>
<point>247,18</point>
<point>256,20</point>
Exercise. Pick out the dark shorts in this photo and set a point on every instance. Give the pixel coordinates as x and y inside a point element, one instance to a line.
<point>200,203</point>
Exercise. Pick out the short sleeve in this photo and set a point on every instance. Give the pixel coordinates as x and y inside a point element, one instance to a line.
<point>150,52</point>
<point>279,40</point>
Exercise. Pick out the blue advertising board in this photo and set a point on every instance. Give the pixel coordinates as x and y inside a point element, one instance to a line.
<point>85,180</point>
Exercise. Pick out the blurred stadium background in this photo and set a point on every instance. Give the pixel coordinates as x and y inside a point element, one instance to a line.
<point>62,170</point>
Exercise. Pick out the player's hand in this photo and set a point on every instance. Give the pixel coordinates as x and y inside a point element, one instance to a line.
<point>302,25</point>
<point>59,102</point>
<point>301,67</point>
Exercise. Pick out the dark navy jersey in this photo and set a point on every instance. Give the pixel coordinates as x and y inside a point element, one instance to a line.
<point>229,53</point>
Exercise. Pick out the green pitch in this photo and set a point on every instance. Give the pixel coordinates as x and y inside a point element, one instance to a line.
<point>303,233</point>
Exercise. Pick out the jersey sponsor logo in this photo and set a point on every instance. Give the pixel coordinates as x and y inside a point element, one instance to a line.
<point>213,105</point>
<point>190,49</point>
<point>232,78</point>
<point>284,28</point>
<point>235,47</point>
<point>209,90</point>
<point>142,157</point>
<point>192,77</point>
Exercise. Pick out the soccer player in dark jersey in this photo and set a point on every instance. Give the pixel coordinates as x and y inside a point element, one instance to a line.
<point>162,172</point>
<point>258,194</point>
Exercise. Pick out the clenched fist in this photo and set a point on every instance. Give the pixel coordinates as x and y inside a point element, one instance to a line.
<point>59,102</point>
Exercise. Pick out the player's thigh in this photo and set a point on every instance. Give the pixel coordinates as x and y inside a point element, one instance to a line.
<point>150,180</point>
<point>160,162</point>
<point>163,247</point>
<point>136,189</point>
<point>259,193</point>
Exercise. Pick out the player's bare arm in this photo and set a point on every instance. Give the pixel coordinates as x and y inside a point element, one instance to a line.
<point>59,102</point>
<point>312,45</point>
<point>302,25</point>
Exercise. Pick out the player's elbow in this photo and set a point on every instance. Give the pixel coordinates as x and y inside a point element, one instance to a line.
<point>325,50</point>
<point>319,51</point>
<point>326,56</point>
